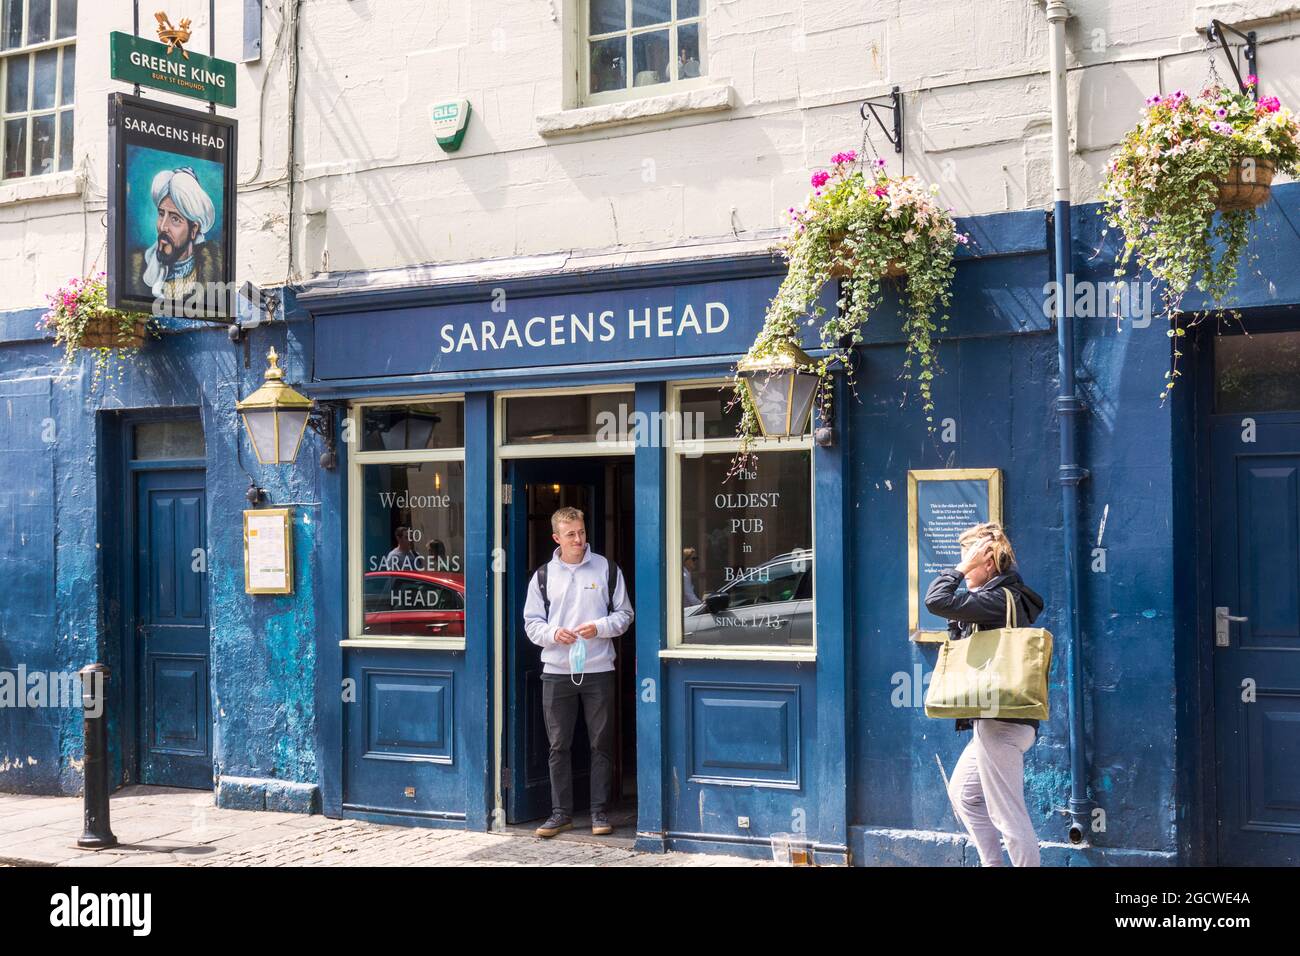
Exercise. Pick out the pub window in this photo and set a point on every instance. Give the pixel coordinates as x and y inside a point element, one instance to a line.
<point>168,440</point>
<point>38,70</point>
<point>408,507</point>
<point>640,46</point>
<point>592,417</point>
<point>1257,373</point>
<point>740,547</point>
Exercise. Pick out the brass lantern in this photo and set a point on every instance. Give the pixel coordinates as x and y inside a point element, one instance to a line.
<point>275,416</point>
<point>782,393</point>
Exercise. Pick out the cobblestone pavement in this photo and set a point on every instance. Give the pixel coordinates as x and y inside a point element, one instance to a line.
<point>162,826</point>
<point>354,843</point>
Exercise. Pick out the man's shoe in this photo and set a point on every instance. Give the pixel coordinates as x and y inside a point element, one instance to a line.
<point>600,824</point>
<point>556,823</point>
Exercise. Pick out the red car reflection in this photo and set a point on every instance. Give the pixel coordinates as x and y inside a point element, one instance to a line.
<point>414,604</point>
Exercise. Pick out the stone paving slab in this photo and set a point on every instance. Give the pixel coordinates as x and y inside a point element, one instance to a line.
<point>163,826</point>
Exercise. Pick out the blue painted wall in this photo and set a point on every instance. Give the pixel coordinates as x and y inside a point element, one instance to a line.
<point>55,426</point>
<point>998,389</point>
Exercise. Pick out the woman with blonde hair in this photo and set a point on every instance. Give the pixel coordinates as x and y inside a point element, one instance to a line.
<point>988,785</point>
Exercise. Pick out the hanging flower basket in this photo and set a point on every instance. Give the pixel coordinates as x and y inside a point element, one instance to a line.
<point>864,226</point>
<point>1247,184</point>
<point>843,268</point>
<point>107,330</point>
<point>80,319</point>
<point>1189,158</point>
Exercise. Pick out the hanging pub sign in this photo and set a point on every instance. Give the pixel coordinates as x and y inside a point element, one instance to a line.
<point>146,63</point>
<point>169,66</point>
<point>941,504</point>
<point>171,209</point>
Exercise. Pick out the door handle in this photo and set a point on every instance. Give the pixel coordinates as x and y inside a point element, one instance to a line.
<point>1222,636</point>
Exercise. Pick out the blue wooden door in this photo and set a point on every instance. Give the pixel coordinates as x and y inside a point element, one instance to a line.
<point>175,743</point>
<point>538,488</point>
<point>1255,541</point>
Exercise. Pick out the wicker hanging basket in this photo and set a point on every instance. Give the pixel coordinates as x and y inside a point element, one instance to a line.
<point>104,330</point>
<point>892,271</point>
<point>1247,184</point>
<point>844,271</point>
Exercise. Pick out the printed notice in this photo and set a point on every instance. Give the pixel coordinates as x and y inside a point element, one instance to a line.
<point>268,556</point>
<point>942,504</point>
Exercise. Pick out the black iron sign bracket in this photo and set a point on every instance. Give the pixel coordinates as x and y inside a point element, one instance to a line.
<point>1217,32</point>
<point>893,102</point>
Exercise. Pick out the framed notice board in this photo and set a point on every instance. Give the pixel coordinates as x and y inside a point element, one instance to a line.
<point>268,551</point>
<point>941,504</point>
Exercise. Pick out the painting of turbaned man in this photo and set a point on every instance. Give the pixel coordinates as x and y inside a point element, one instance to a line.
<point>174,227</point>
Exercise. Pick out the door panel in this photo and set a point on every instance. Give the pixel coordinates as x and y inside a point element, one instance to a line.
<point>1255,539</point>
<point>172,629</point>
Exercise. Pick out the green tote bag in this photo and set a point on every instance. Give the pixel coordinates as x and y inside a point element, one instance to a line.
<point>997,673</point>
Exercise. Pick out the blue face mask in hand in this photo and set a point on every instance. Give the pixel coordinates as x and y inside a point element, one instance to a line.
<point>577,658</point>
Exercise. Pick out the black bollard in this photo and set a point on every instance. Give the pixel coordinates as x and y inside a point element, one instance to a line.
<point>94,702</point>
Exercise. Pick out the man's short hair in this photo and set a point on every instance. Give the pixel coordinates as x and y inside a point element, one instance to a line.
<point>688,553</point>
<point>565,514</point>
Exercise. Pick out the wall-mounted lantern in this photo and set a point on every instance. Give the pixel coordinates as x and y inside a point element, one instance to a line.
<point>277,415</point>
<point>781,391</point>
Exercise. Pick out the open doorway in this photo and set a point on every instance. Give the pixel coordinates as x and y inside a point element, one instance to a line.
<point>602,489</point>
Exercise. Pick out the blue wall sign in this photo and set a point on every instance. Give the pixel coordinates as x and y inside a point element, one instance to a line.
<point>941,505</point>
<point>501,331</point>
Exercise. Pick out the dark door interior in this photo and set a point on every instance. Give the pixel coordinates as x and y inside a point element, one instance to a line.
<point>538,487</point>
<point>171,628</point>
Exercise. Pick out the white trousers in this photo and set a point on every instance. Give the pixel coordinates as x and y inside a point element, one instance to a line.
<point>988,792</point>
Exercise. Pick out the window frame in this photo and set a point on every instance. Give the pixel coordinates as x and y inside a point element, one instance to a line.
<point>558,449</point>
<point>585,97</point>
<point>357,461</point>
<point>29,114</point>
<point>675,450</point>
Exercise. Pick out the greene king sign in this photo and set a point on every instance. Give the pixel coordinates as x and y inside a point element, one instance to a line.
<point>137,60</point>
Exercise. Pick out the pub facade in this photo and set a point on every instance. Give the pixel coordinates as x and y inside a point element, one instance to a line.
<point>551,316</point>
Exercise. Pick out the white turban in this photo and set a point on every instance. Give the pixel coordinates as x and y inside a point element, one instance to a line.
<point>187,195</point>
<point>191,202</point>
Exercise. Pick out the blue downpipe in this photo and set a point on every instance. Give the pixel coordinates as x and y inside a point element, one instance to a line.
<point>1069,408</point>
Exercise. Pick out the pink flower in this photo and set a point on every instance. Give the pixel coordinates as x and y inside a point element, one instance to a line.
<point>880,163</point>
<point>841,159</point>
<point>1269,104</point>
<point>820,178</point>
<point>881,191</point>
<point>1252,80</point>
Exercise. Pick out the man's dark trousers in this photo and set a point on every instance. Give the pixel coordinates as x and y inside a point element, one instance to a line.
<point>560,697</point>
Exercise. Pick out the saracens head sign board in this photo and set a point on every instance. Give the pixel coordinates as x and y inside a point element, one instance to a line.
<point>171,209</point>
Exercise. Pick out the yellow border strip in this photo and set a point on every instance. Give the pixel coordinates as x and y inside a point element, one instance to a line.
<point>994,477</point>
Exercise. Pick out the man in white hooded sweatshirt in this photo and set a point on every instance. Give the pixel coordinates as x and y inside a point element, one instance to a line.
<point>577,606</point>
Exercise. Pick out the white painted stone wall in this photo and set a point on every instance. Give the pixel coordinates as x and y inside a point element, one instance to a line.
<point>373,191</point>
